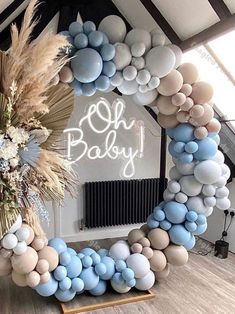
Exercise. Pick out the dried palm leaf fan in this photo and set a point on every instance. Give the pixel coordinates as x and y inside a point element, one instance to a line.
<point>33,114</point>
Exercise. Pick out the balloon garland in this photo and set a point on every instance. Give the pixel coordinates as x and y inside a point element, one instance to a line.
<point>140,65</point>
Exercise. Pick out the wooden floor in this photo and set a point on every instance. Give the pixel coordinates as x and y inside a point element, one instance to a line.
<point>205,285</point>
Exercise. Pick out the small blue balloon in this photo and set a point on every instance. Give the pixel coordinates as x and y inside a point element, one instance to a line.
<point>179,235</point>
<point>88,89</point>
<point>87,261</point>
<point>71,251</point>
<point>171,149</point>
<point>77,87</point>
<point>77,284</point>
<point>131,283</point>
<point>200,229</point>
<point>95,38</point>
<point>95,258</point>
<point>60,273</point>
<point>151,222</point>
<point>128,274</point>
<point>105,39</point>
<point>175,212</point>
<point>75,28</point>
<point>75,267</point>
<point>158,214</point>
<point>81,41</point>
<point>109,68</point>
<point>186,157</point>
<point>117,278</point>
<point>87,251</point>
<point>58,244</point>
<point>120,265</point>
<point>65,284</point>
<point>179,147</point>
<point>207,149</point>
<point>191,243</point>
<point>99,289</point>
<point>107,52</point>
<point>190,226</point>
<point>65,296</point>
<point>165,225</point>
<point>47,289</point>
<point>100,269</point>
<point>65,258</point>
<point>90,278</point>
<point>191,147</point>
<point>184,132</point>
<point>88,27</point>
<point>80,255</point>
<point>201,219</point>
<point>103,252</point>
<point>102,83</point>
<point>191,216</point>
<point>110,266</point>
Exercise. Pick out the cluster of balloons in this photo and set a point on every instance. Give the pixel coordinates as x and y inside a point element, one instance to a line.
<point>91,65</point>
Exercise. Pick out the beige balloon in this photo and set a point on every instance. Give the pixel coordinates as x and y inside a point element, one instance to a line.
<point>135,235</point>
<point>144,242</point>
<point>145,228</point>
<point>167,121</point>
<point>205,118</point>
<point>200,132</point>
<point>18,279</point>
<point>176,255</point>
<point>33,279</point>
<point>165,105</point>
<point>158,261</point>
<point>66,75</point>
<point>25,263</point>
<point>186,89</point>
<point>49,254</point>
<point>182,116</point>
<point>44,278</point>
<point>202,92</point>
<point>171,83</point>
<point>42,266</point>
<point>147,252</point>
<point>158,238</point>
<point>160,275</point>
<point>38,243</point>
<point>189,72</point>
<point>136,248</point>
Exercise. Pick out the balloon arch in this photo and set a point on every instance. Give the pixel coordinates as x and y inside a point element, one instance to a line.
<point>138,64</point>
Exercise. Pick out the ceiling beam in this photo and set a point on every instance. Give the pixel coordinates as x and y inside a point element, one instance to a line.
<point>9,10</point>
<point>220,9</point>
<point>213,32</point>
<point>161,21</point>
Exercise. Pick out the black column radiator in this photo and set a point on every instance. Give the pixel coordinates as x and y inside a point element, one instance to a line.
<point>121,202</point>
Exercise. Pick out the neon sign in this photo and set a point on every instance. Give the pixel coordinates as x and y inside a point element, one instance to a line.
<point>111,119</point>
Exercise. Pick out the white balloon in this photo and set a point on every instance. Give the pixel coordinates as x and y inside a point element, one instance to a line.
<point>146,282</point>
<point>209,211</point>
<point>221,182</point>
<point>138,49</point>
<point>143,77</point>
<point>117,79</point>
<point>174,173</point>
<point>139,264</point>
<point>137,35</point>
<point>158,39</point>
<point>222,192</point>
<point>120,287</point>
<point>173,186</point>
<point>22,234</point>
<point>210,201</point>
<point>223,203</point>
<point>114,27</point>
<point>160,61</point>
<point>9,241</point>
<point>225,171</point>
<point>122,56</point>
<point>196,203</point>
<point>154,82</point>
<point>128,87</point>
<point>129,73</point>
<point>145,99</point>
<point>168,196</point>
<point>138,63</point>
<point>207,172</point>
<point>185,168</point>
<point>219,157</point>
<point>178,55</point>
<point>190,186</point>
<point>20,248</point>
<point>143,89</point>
<point>17,224</point>
<point>119,251</point>
<point>208,190</point>
<point>181,197</point>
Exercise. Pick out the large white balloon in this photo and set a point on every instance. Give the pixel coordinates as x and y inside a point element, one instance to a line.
<point>139,264</point>
<point>144,99</point>
<point>190,186</point>
<point>128,87</point>
<point>137,35</point>
<point>122,56</point>
<point>114,27</point>
<point>207,172</point>
<point>146,282</point>
<point>196,203</point>
<point>178,54</point>
<point>119,250</point>
<point>160,61</point>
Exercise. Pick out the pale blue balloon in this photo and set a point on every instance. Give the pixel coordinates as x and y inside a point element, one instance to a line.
<point>190,226</point>
<point>201,219</point>
<point>109,68</point>
<point>65,258</point>
<point>110,267</point>
<point>184,132</point>
<point>99,289</point>
<point>131,283</point>
<point>179,235</point>
<point>86,65</point>
<point>90,278</point>
<point>65,284</point>
<point>95,39</point>
<point>200,229</point>
<point>191,216</point>
<point>87,251</point>
<point>60,273</point>
<point>186,157</point>
<point>87,261</point>
<point>100,269</point>
<point>102,83</point>
<point>65,296</point>
<point>175,212</point>
<point>88,89</point>
<point>77,284</point>
<point>191,243</point>
<point>103,252</point>
<point>58,244</point>
<point>95,258</point>
<point>171,149</point>
<point>81,41</point>
<point>207,149</point>
<point>75,267</point>
<point>77,87</point>
<point>71,251</point>
<point>120,265</point>
<point>128,274</point>
<point>105,39</point>
<point>75,28</point>
<point>158,214</point>
<point>191,147</point>
<point>179,147</point>
<point>151,222</point>
<point>88,27</point>
<point>165,225</point>
<point>47,289</point>
<point>107,52</point>
<point>117,278</point>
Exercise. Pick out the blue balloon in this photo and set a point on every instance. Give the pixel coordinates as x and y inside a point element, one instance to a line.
<point>131,283</point>
<point>103,252</point>
<point>200,229</point>
<point>172,150</point>
<point>87,251</point>
<point>80,255</point>
<point>105,39</point>
<point>87,261</point>
<point>179,235</point>
<point>190,226</point>
<point>88,89</point>
<point>81,41</point>
<point>107,52</point>
<point>77,87</point>
<point>165,225</point>
<point>71,251</point>
<point>179,147</point>
<point>95,258</point>
<point>175,212</point>
<point>90,278</point>
<point>151,222</point>
<point>170,132</point>
<point>77,284</point>
<point>109,68</point>
<point>65,296</point>
<point>58,244</point>
<point>65,258</point>
<point>95,38</point>
<point>47,289</point>
<point>117,278</point>
<point>65,284</point>
<point>207,149</point>
<point>86,65</point>
<point>128,274</point>
<point>186,158</point>
<point>191,216</point>
<point>201,220</point>
<point>99,289</point>
<point>191,243</point>
<point>75,267</point>
<point>88,27</point>
<point>184,132</point>
<point>100,269</point>
<point>110,266</point>
<point>120,265</point>
<point>60,273</point>
<point>75,28</point>
<point>158,214</point>
<point>102,83</point>
<point>191,147</point>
